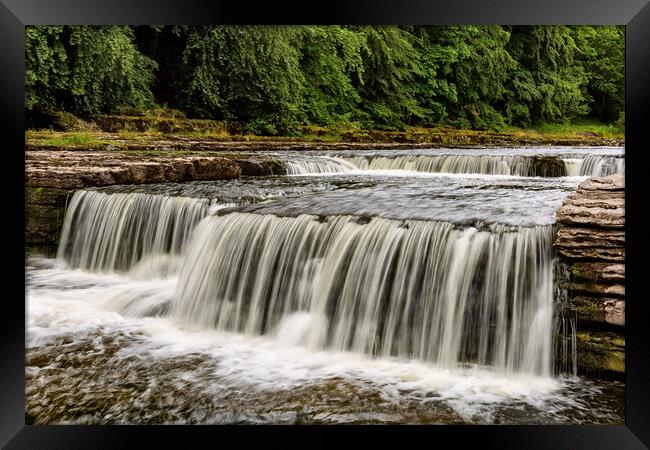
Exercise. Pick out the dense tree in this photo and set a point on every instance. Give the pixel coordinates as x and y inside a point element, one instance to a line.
<point>272,79</point>
<point>546,85</point>
<point>473,65</point>
<point>390,65</point>
<point>332,65</point>
<point>601,52</point>
<point>247,74</point>
<point>46,67</point>
<point>85,69</point>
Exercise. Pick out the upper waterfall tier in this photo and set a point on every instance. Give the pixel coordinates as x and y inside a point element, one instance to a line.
<point>111,232</point>
<point>519,162</point>
<point>114,228</point>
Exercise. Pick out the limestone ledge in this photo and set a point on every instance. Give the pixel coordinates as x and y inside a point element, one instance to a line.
<point>590,245</point>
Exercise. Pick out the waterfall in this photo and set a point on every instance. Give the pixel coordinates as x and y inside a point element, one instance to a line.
<point>461,164</point>
<point>114,231</point>
<point>594,166</point>
<point>320,164</point>
<point>485,164</point>
<point>600,166</point>
<point>516,165</point>
<point>572,166</point>
<point>407,288</point>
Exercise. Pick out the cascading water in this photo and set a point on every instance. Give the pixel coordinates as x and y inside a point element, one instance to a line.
<point>594,166</point>
<point>322,164</point>
<point>113,231</point>
<point>492,165</point>
<point>426,293</point>
<point>504,164</point>
<point>600,166</point>
<point>413,289</point>
<point>572,166</point>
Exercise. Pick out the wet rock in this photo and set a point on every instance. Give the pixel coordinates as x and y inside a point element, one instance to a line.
<point>44,213</point>
<point>598,271</point>
<point>598,203</point>
<point>261,167</point>
<point>590,243</point>
<point>601,354</point>
<point>615,312</point>
<point>52,175</point>
<point>76,170</point>
<point>591,226</point>
<point>547,166</point>
<point>592,310</point>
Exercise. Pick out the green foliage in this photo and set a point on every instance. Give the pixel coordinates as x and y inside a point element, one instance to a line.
<point>545,85</point>
<point>581,127</point>
<point>46,67</point>
<point>330,60</point>
<point>273,80</point>
<point>474,65</point>
<point>390,65</point>
<point>85,69</point>
<point>74,139</point>
<point>247,74</point>
<point>602,56</point>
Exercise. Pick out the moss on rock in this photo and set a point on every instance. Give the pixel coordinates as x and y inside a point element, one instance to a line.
<point>44,214</point>
<point>601,354</point>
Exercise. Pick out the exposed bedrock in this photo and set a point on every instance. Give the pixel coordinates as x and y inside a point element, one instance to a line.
<point>76,170</point>
<point>44,213</point>
<point>53,174</point>
<point>260,167</point>
<point>590,246</point>
<point>547,166</point>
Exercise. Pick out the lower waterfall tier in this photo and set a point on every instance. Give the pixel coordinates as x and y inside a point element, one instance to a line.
<point>416,289</point>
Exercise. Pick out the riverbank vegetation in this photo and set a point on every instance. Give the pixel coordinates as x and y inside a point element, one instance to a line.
<point>338,80</point>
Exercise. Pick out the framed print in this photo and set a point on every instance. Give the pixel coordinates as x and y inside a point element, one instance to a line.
<point>366,215</point>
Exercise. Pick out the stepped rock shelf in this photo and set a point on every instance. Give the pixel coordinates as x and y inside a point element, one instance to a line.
<point>51,175</point>
<point>590,235</point>
<point>590,245</point>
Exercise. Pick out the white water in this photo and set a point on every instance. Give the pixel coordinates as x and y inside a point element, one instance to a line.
<point>114,231</point>
<point>451,307</point>
<point>413,289</point>
<point>599,166</point>
<point>549,164</point>
<point>573,166</point>
<point>323,164</point>
<point>492,165</point>
<point>275,362</point>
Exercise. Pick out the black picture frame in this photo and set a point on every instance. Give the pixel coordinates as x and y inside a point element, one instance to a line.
<point>635,14</point>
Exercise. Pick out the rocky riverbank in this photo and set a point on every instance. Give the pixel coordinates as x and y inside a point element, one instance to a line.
<point>53,174</point>
<point>590,246</point>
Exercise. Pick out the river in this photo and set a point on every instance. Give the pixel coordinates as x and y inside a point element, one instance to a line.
<point>363,287</point>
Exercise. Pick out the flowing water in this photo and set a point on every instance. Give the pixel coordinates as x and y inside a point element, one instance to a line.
<point>546,162</point>
<point>366,287</point>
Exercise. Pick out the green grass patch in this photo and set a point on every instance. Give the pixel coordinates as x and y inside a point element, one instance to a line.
<point>74,139</point>
<point>584,128</point>
<point>584,132</point>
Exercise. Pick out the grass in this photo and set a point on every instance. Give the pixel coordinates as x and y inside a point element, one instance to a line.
<point>138,136</point>
<point>575,129</point>
<point>73,139</point>
<point>204,134</point>
<point>585,132</point>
